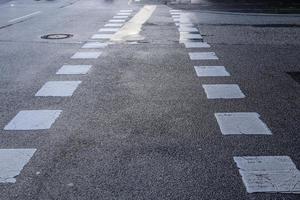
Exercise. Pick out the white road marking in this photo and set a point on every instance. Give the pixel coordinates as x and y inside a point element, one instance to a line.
<point>120,17</point>
<point>12,161</point>
<point>183,25</point>
<point>33,120</point>
<point>94,45</point>
<point>203,56</point>
<point>276,174</point>
<point>126,10</point>
<point>248,123</point>
<point>58,89</point>
<point>223,91</point>
<point>124,14</point>
<point>74,69</point>
<point>86,55</point>
<point>132,28</point>
<point>203,71</point>
<point>187,29</point>
<point>117,20</point>
<point>113,25</point>
<point>184,36</point>
<point>108,29</point>
<point>196,45</point>
<point>102,36</point>
<point>25,16</point>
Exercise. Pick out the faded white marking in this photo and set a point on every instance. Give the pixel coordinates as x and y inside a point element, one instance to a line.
<point>74,69</point>
<point>203,71</point>
<point>124,14</point>
<point>275,174</point>
<point>12,161</point>
<point>25,16</point>
<point>117,20</point>
<point>120,17</point>
<point>94,45</point>
<point>102,36</point>
<point>86,55</point>
<point>33,120</point>
<point>248,123</point>
<point>113,25</point>
<point>184,36</point>
<point>132,28</point>
<point>203,56</point>
<point>58,88</point>
<point>187,29</point>
<point>126,10</point>
<point>108,29</point>
<point>223,91</point>
<point>196,45</point>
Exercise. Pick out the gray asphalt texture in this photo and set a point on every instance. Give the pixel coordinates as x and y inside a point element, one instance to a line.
<point>139,126</point>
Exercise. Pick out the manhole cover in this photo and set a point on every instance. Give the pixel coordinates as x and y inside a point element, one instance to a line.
<point>58,36</point>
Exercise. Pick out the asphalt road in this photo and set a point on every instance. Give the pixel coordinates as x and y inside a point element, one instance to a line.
<point>140,125</point>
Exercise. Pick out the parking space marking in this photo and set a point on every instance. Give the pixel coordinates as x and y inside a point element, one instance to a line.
<point>269,174</point>
<point>102,36</point>
<point>12,161</point>
<point>74,69</point>
<point>203,56</point>
<point>189,45</point>
<point>223,91</point>
<point>242,123</point>
<point>86,55</point>
<point>33,120</point>
<point>58,89</point>
<point>203,71</point>
<point>94,45</point>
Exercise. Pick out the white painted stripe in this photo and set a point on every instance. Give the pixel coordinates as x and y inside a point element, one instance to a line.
<point>203,56</point>
<point>102,36</point>
<point>94,45</point>
<point>120,17</point>
<point>204,71</point>
<point>223,91</point>
<point>117,20</point>
<point>126,10</point>
<point>275,174</point>
<point>108,29</point>
<point>124,14</point>
<point>184,36</point>
<point>86,55</point>
<point>113,25</point>
<point>58,89</point>
<point>187,29</point>
<point>132,28</point>
<point>25,16</point>
<point>33,120</point>
<point>12,161</point>
<point>74,69</point>
<point>196,45</point>
<point>239,123</point>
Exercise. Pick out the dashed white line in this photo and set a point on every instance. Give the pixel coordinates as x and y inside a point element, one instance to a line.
<point>203,56</point>
<point>74,69</point>
<point>94,45</point>
<point>33,120</point>
<point>196,45</point>
<point>239,123</point>
<point>108,29</point>
<point>25,16</point>
<point>102,36</point>
<point>223,91</point>
<point>204,71</point>
<point>58,88</point>
<point>86,55</point>
<point>113,25</point>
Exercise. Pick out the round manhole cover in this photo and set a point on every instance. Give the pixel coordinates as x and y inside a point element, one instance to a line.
<point>58,36</point>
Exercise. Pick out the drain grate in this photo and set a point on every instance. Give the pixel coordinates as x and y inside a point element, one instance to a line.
<point>57,36</point>
<point>295,76</point>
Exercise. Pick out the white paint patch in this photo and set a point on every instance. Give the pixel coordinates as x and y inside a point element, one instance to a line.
<point>58,89</point>
<point>25,16</point>
<point>86,55</point>
<point>108,29</point>
<point>238,123</point>
<point>223,91</point>
<point>102,36</point>
<point>117,20</point>
<point>113,25</point>
<point>196,45</point>
<point>120,17</point>
<point>12,161</point>
<point>126,10</point>
<point>33,120</point>
<point>132,28</point>
<point>74,69</point>
<point>203,71</point>
<point>94,45</point>
<point>276,174</point>
<point>203,56</point>
<point>184,36</point>
<point>187,29</point>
